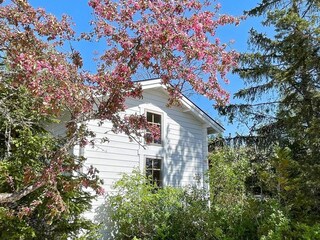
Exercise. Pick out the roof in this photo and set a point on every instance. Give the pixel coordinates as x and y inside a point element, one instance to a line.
<point>212,125</point>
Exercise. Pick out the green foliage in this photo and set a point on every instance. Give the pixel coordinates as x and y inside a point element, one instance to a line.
<point>138,210</point>
<point>238,212</point>
<point>228,172</point>
<point>194,219</point>
<point>54,210</point>
<point>272,214</point>
<point>12,227</point>
<point>305,232</point>
<point>281,104</point>
<point>227,176</point>
<point>274,224</point>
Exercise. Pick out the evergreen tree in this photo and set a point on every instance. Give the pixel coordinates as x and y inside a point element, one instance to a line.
<point>282,100</point>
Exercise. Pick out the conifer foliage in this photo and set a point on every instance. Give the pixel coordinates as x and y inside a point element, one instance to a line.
<point>282,100</point>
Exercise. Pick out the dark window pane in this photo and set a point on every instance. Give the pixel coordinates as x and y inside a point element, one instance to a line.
<point>157,177</point>
<point>149,138</point>
<point>157,141</point>
<point>153,119</point>
<point>156,163</point>
<point>157,118</point>
<point>153,170</point>
<point>149,163</point>
<point>149,117</point>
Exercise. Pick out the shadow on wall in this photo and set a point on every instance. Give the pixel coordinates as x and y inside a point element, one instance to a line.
<point>103,218</point>
<point>184,157</point>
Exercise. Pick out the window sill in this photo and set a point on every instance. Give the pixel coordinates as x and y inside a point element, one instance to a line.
<point>154,144</point>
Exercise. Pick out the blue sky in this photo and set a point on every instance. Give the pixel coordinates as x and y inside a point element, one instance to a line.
<point>81,15</point>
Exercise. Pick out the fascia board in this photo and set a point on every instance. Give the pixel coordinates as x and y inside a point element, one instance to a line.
<point>200,114</point>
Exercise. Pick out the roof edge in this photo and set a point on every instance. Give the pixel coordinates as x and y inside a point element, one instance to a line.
<point>156,82</point>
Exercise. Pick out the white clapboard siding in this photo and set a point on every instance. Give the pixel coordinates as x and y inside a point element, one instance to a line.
<point>184,139</point>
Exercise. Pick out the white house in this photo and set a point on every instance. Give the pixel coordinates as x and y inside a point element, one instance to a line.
<point>179,158</point>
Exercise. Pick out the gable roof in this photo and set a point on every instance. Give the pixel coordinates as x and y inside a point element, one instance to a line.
<point>212,125</point>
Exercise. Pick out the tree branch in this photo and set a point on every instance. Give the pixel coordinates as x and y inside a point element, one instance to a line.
<point>16,196</point>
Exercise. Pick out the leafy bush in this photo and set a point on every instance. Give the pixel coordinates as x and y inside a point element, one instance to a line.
<point>239,213</point>
<point>194,220</point>
<point>139,209</point>
<point>229,170</point>
<point>305,231</point>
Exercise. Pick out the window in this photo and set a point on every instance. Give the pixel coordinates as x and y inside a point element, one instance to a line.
<point>155,120</point>
<point>153,170</point>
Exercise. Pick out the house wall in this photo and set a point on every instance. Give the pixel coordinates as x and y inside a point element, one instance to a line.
<point>183,150</point>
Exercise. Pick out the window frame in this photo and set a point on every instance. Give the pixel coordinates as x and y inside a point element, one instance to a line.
<point>161,126</point>
<point>159,183</point>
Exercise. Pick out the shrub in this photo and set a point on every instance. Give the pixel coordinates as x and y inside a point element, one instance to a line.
<point>138,209</point>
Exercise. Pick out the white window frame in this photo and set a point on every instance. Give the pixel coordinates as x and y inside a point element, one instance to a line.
<point>161,127</point>
<point>161,167</point>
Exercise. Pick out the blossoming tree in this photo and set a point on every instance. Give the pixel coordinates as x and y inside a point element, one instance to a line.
<point>174,40</point>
